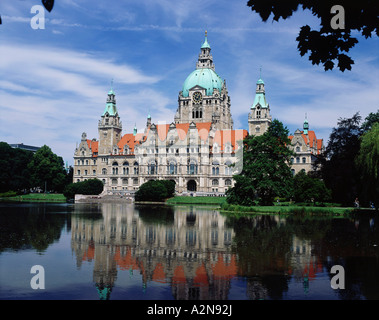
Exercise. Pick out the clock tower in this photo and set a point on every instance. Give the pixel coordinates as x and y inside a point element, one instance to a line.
<point>110,127</point>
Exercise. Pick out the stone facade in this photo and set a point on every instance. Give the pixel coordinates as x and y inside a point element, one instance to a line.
<point>306,147</point>
<point>196,150</point>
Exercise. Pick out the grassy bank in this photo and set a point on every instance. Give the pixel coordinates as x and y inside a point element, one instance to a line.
<point>38,197</point>
<point>196,200</point>
<point>289,210</point>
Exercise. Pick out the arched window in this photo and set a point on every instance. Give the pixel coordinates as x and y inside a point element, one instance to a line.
<point>125,167</point>
<point>304,160</point>
<point>136,167</point>
<point>115,168</point>
<point>215,168</point>
<point>135,181</point>
<point>125,181</point>
<point>228,168</point>
<point>297,159</point>
<point>192,167</point>
<point>215,182</point>
<point>172,168</point>
<point>104,171</point>
<point>297,149</point>
<point>152,168</point>
<point>228,182</point>
<point>114,182</point>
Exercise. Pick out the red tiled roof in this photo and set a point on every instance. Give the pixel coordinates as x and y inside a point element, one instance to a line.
<point>94,146</point>
<point>221,137</point>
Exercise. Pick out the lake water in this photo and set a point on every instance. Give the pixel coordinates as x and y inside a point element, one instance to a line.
<point>139,252</point>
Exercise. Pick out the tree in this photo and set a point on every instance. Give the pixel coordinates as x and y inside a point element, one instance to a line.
<point>265,171</point>
<point>368,162</point>
<point>154,190</point>
<point>87,187</point>
<point>370,120</point>
<point>338,168</point>
<point>307,188</point>
<point>14,174</point>
<point>47,169</point>
<point>327,44</point>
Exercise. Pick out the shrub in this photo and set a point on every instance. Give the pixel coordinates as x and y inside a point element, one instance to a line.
<point>87,187</point>
<point>155,190</point>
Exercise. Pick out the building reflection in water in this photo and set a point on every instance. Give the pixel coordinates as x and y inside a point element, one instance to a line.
<point>195,251</point>
<point>188,248</point>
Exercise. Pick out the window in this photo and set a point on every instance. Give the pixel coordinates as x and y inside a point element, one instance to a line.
<point>114,168</point>
<point>135,181</point>
<point>297,159</point>
<point>114,182</point>
<point>78,172</point>
<point>85,172</point>
<point>125,169</point>
<point>172,168</point>
<point>297,149</point>
<point>192,167</point>
<point>152,168</point>
<point>104,171</point>
<point>136,168</point>
<point>228,168</point>
<point>215,168</point>
<point>304,160</point>
<point>215,182</point>
<point>94,172</point>
<point>228,182</point>
<point>125,182</point>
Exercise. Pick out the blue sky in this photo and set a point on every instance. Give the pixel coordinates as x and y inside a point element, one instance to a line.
<point>54,81</point>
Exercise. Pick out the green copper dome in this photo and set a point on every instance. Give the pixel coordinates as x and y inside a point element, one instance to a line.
<point>205,78</point>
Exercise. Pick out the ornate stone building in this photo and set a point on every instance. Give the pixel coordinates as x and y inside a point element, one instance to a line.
<point>196,150</point>
<point>306,147</point>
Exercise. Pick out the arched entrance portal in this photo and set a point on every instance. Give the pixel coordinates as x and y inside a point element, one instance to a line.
<point>191,186</point>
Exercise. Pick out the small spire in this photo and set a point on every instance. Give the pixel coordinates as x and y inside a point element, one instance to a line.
<point>305,125</point>
<point>205,43</point>
<point>111,91</point>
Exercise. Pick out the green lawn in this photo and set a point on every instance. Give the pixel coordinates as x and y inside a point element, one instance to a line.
<point>291,210</point>
<point>39,197</point>
<point>196,200</point>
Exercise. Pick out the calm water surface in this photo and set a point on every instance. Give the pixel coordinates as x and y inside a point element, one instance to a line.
<point>125,251</point>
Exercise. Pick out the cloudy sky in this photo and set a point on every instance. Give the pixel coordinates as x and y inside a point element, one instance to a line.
<point>54,81</point>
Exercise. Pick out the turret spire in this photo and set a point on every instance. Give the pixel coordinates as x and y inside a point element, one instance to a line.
<point>205,60</point>
<point>306,125</point>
